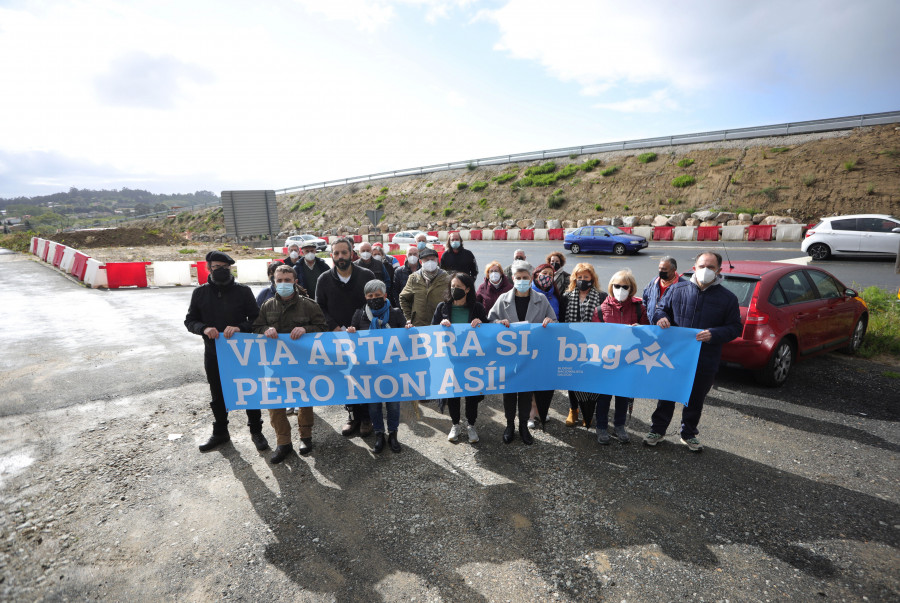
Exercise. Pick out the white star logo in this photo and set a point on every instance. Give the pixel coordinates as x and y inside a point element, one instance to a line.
<point>650,357</point>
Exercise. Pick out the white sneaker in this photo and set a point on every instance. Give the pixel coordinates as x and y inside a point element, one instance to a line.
<point>454,433</point>
<point>531,423</point>
<point>473,435</point>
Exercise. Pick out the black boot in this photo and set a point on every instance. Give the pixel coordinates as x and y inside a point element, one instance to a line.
<point>393,443</point>
<point>525,434</point>
<point>219,436</point>
<point>351,426</point>
<point>281,453</point>
<point>379,442</point>
<point>509,434</point>
<point>305,446</point>
<point>259,440</point>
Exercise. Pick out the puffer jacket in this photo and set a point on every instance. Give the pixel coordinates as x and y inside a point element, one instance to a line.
<point>299,311</point>
<point>629,312</point>
<point>419,298</point>
<point>715,309</point>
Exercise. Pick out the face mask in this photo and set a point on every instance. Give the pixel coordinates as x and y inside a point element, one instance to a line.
<point>705,275</point>
<point>663,275</point>
<point>584,285</point>
<point>544,281</point>
<point>310,256</point>
<point>458,293</point>
<point>523,285</point>
<point>284,289</point>
<point>556,266</point>
<point>430,266</point>
<point>377,258</point>
<point>294,255</point>
<point>494,277</point>
<point>222,275</point>
<point>412,259</point>
<point>420,245</point>
<point>365,255</point>
<point>342,263</point>
<point>375,303</point>
<point>620,294</point>
<point>455,244</point>
<point>518,259</point>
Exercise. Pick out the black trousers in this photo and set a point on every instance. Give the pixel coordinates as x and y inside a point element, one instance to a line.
<point>217,400</point>
<point>520,401</point>
<point>358,412</point>
<point>542,400</point>
<point>690,415</point>
<point>471,408</point>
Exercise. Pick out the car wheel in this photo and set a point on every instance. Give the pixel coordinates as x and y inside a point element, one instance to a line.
<point>856,339</point>
<point>619,249</point>
<point>576,248</point>
<point>779,366</point>
<point>819,251</point>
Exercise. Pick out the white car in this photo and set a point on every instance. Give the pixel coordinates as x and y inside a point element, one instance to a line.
<point>860,234</point>
<point>408,237</point>
<point>320,244</point>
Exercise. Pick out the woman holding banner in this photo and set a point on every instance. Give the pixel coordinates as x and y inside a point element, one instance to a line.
<point>460,307</point>
<point>620,307</point>
<point>522,305</point>
<point>378,314</point>
<point>578,304</point>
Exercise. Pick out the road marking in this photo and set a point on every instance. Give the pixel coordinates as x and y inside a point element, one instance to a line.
<point>804,261</point>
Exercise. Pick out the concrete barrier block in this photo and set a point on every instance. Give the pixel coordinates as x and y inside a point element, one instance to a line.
<point>169,274</point>
<point>513,234</point>
<point>685,233</point>
<point>95,274</point>
<point>789,232</point>
<point>252,271</point>
<point>465,235</point>
<point>67,260</point>
<point>541,234</point>
<point>443,234</point>
<point>487,235</point>
<point>643,231</point>
<point>733,233</point>
<point>49,251</point>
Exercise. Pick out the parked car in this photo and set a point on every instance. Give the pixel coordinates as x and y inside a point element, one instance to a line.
<point>790,313</point>
<point>861,234</point>
<point>603,238</point>
<point>321,244</point>
<point>408,237</point>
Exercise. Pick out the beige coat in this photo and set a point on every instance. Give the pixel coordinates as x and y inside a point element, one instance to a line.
<point>419,299</point>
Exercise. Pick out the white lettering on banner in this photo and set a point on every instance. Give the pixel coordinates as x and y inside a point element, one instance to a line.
<point>421,346</point>
<point>294,385</point>
<point>269,387</point>
<point>507,348</point>
<point>394,349</point>
<point>244,358</point>
<point>611,355</point>
<point>344,347</point>
<point>370,347</point>
<point>589,352</point>
<point>390,393</point>
<point>353,385</point>
<point>474,380</point>
<point>408,383</point>
<point>473,343</point>
<point>283,351</point>
<point>317,353</point>
<point>243,393</point>
<point>313,386</point>
<point>441,345</point>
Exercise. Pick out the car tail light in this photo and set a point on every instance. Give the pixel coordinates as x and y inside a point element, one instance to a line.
<point>810,232</point>
<point>754,316</point>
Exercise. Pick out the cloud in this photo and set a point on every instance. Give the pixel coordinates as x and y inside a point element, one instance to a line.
<point>138,79</point>
<point>659,100</point>
<point>372,15</point>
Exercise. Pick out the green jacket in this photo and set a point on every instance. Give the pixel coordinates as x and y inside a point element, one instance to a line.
<point>419,299</point>
<point>299,311</point>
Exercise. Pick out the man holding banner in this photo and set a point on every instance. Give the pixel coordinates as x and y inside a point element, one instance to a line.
<point>701,303</point>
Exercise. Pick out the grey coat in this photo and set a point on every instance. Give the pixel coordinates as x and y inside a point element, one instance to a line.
<point>505,308</point>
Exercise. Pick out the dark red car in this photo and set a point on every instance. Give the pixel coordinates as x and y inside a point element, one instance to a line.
<point>790,312</point>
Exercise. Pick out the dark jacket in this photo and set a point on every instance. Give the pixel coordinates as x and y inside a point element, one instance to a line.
<point>319,266</point>
<point>443,311</point>
<point>629,312</point>
<point>487,293</point>
<point>299,311</point>
<point>401,275</point>
<point>378,269</point>
<point>340,300</point>
<point>362,322</point>
<point>460,260</point>
<point>651,294</point>
<point>715,308</point>
<point>265,295</point>
<point>220,306</point>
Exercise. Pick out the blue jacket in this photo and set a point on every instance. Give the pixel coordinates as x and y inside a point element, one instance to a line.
<point>550,295</point>
<point>651,294</point>
<point>715,308</point>
<point>264,295</point>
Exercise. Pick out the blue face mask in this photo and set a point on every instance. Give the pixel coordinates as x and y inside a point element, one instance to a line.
<point>420,245</point>
<point>284,289</point>
<point>523,285</point>
<point>454,244</point>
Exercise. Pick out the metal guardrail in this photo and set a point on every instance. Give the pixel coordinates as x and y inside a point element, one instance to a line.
<point>802,127</point>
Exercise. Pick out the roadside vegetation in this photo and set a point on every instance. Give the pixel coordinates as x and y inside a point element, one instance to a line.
<point>883,332</point>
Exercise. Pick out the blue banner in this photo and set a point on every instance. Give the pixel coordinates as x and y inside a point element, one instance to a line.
<point>320,369</point>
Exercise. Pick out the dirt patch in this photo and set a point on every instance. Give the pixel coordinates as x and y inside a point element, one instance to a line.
<point>117,237</point>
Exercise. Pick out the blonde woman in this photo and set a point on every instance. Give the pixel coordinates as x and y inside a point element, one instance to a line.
<point>495,284</point>
<point>620,307</point>
<point>579,304</point>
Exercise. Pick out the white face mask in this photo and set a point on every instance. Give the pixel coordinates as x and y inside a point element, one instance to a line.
<point>430,266</point>
<point>377,258</point>
<point>705,275</point>
<point>620,294</point>
<point>294,255</point>
<point>310,256</point>
<point>412,259</point>
<point>495,277</point>
<point>365,254</point>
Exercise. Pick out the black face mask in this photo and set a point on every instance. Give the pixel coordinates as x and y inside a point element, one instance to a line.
<point>556,266</point>
<point>663,275</point>
<point>376,303</point>
<point>458,293</point>
<point>342,263</point>
<point>584,285</point>
<point>221,275</point>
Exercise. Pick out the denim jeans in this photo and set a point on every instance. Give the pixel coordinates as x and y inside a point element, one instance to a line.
<point>393,416</point>
<point>690,415</point>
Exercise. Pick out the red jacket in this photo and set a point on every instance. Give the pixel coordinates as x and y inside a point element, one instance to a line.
<point>622,313</point>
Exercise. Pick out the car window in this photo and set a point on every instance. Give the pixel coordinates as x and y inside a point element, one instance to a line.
<point>877,225</point>
<point>742,288</point>
<point>580,232</point>
<point>797,288</point>
<point>828,288</point>
<point>846,224</point>
<point>599,231</point>
<point>615,231</point>
<point>777,298</point>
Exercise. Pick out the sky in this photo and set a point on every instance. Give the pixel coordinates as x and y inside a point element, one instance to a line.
<point>200,95</point>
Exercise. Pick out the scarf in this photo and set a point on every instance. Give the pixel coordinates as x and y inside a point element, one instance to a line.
<point>578,311</point>
<point>379,318</point>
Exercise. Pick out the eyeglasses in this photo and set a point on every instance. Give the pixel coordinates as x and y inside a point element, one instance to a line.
<point>621,287</point>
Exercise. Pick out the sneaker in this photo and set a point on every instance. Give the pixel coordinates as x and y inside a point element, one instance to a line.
<point>473,435</point>
<point>454,433</point>
<point>693,444</point>
<point>531,424</point>
<point>621,434</point>
<point>602,436</point>
<point>652,439</point>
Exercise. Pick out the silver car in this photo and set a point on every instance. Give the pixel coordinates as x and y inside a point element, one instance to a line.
<point>320,244</point>
<point>860,234</point>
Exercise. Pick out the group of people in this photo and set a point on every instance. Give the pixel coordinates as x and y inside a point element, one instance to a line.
<point>365,290</point>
